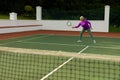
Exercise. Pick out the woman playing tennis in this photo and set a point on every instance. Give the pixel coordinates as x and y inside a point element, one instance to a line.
<point>86,27</point>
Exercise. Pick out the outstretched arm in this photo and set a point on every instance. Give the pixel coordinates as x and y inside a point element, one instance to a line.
<point>77,25</point>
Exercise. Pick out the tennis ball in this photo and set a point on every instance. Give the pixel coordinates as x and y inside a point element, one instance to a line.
<point>60,51</point>
<point>69,23</point>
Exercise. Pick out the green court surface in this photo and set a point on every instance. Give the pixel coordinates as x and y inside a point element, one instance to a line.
<point>105,46</point>
<point>23,66</point>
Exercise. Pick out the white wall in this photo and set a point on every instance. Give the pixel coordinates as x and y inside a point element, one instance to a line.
<point>20,29</point>
<point>18,22</point>
<point>6,23</point>
<point>98,26</point>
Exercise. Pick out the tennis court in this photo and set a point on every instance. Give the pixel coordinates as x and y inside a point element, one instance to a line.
<point>107,46</point>
<point>56,57</point>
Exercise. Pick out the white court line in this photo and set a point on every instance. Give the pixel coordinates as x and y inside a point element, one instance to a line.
<point>62,64</point>
<point>54,43</point>
<point>106,47</point>
<point>74,45</point>
<point>113,43</point>
<point>25,39</point>
<point>33,38</point>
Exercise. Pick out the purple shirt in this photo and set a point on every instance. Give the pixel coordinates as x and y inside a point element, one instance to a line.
<point>85,24</point>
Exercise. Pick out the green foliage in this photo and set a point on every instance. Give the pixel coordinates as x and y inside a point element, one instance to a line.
<point>20,17</point>
<point>114,15</point>
<point>3,16</point>
<point>6,16</point>
<point>114,28</point>
<point>28,8</point>
<point>64,9</point>
<point>29,12</point>
<point>73,14</point>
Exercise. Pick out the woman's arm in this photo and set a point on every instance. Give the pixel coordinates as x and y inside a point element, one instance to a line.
<point>77,25</point>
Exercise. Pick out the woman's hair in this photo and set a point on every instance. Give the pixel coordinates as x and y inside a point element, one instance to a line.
<point>82,17</point>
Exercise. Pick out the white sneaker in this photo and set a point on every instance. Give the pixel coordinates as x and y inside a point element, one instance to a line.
<point>94,41</point>
<point>79,41</point>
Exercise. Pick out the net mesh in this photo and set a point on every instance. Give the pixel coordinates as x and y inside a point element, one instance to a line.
<point>17,66</point>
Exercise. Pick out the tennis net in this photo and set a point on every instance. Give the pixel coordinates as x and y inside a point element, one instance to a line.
<point>57,66</point>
